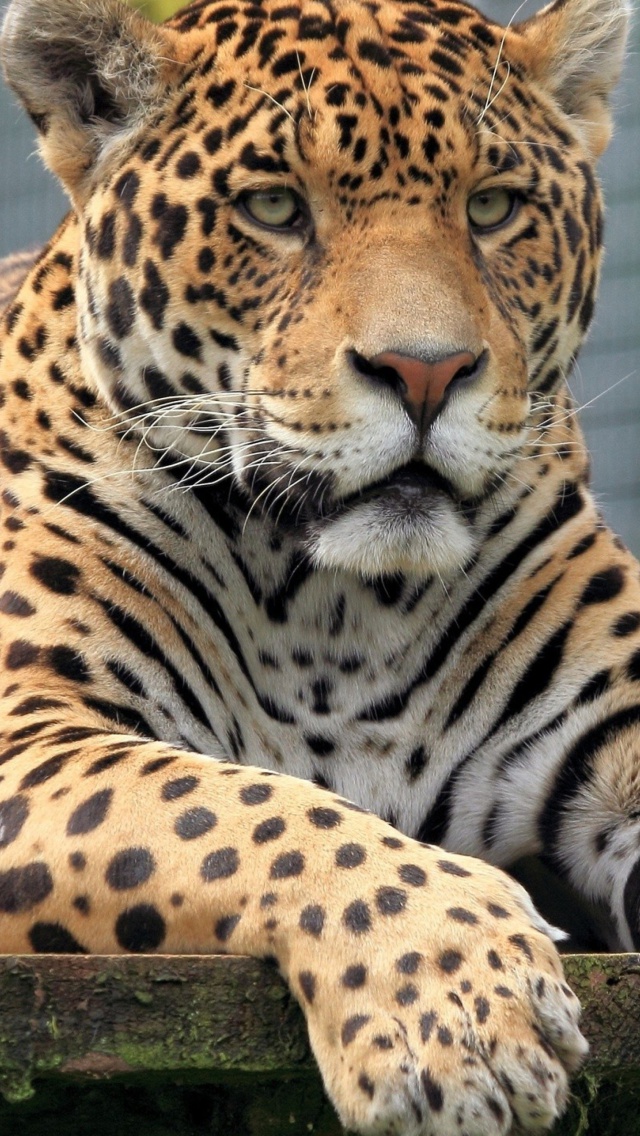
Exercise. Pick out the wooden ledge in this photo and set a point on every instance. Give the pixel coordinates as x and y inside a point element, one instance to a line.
<point>157,1045</point>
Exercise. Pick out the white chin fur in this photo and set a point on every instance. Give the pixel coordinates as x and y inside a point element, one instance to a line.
<point>371,540</point>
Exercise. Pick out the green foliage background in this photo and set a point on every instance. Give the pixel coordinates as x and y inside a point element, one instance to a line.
<point>158,9</point>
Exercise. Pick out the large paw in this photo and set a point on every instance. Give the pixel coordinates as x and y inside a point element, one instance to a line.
<point>436,1005</point>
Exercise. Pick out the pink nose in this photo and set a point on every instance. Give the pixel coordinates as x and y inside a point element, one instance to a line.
<point>424,384</point>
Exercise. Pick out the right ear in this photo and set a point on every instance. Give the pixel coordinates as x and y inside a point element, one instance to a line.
<point>90,74</point>
<point>577,49</point>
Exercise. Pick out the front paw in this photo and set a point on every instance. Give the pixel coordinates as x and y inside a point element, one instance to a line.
<point>435,1006</point>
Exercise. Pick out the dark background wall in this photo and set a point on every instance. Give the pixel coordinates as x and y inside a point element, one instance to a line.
<point>606,382</point>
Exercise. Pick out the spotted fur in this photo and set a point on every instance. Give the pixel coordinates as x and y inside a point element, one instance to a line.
<point>310,499</point>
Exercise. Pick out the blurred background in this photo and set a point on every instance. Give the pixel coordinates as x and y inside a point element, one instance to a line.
<point>607,380</point>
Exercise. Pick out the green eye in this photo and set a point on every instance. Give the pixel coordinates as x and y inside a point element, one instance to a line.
<point>490,208</point>
<point>276,208</point>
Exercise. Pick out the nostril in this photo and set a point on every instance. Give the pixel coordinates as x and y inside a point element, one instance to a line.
<point>379,372</point>
<point>471,369</point>
<point>422,384</point>
<point>465,371</point>
<point>362,364</point>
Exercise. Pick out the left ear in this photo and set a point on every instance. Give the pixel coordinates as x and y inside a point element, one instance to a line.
<point>91,74</point>
<point>576,52</point>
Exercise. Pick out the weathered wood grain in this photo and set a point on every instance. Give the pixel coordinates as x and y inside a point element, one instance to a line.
<point>152,1045</point>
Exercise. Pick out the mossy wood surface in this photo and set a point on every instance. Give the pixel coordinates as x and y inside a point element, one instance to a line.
<point>163,1046</point>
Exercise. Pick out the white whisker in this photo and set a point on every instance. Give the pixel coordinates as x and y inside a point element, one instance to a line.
<point>306,89</point>
<point>266,94</point>
<point>490,100</point>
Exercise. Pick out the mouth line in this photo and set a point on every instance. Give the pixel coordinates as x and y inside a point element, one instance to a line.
<point>410,491</point>
<point>412,480</point>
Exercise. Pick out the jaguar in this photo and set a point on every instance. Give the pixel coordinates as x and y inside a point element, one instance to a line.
<point>310,625</point>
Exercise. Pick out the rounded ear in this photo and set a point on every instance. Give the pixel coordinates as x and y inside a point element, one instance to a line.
<point>577,52</point>
<point>89,74</point>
